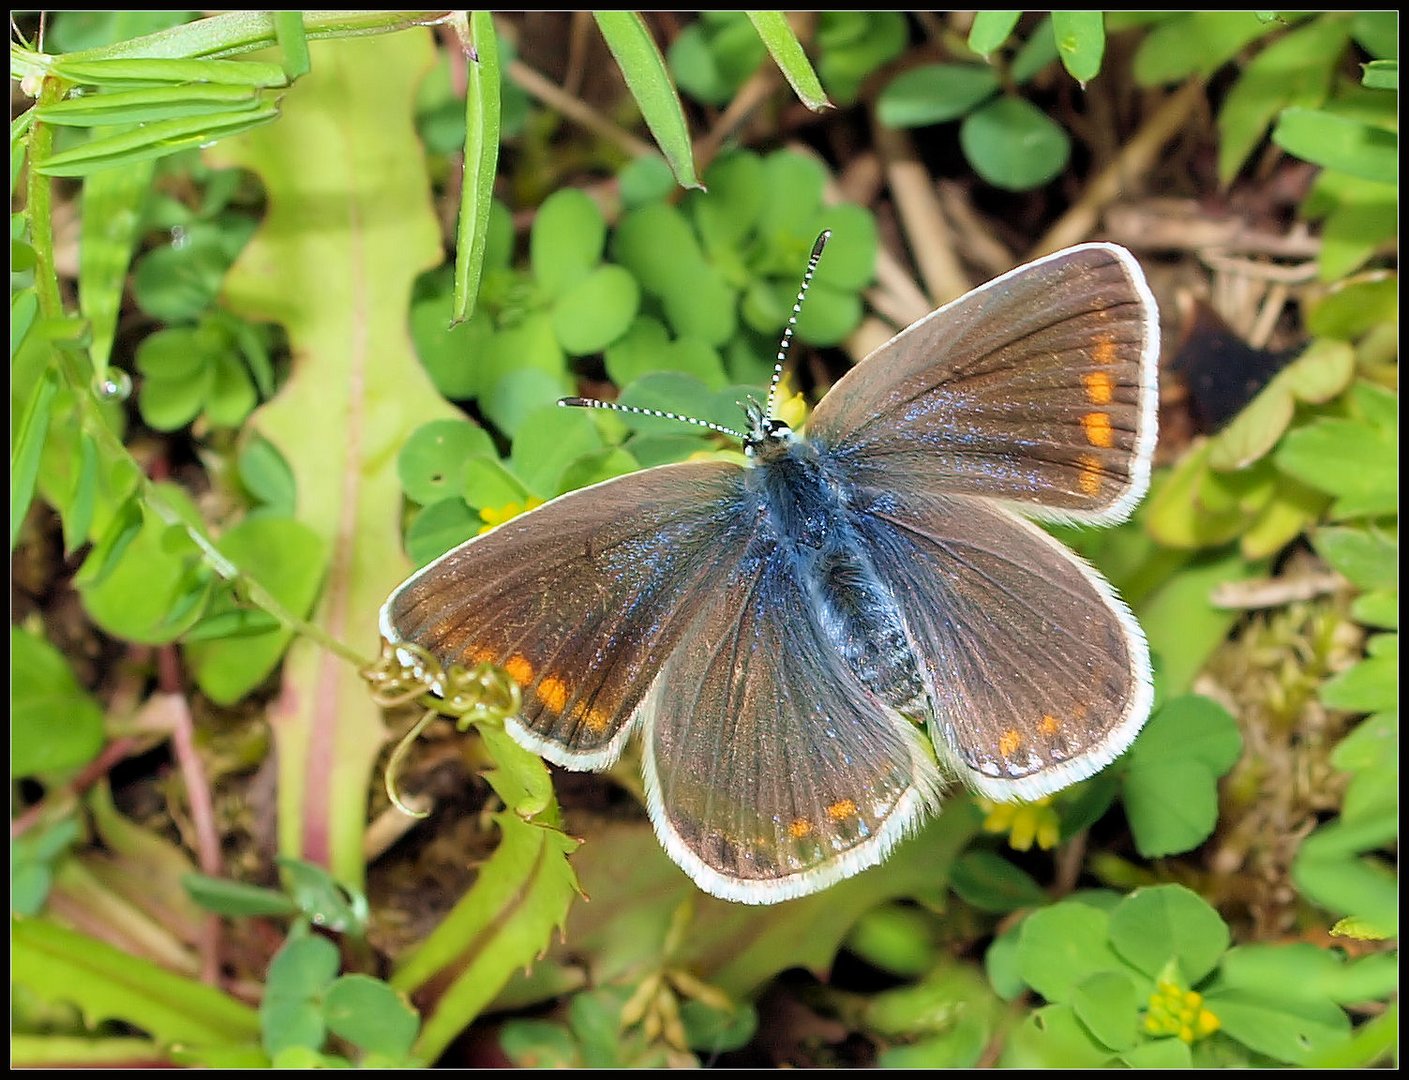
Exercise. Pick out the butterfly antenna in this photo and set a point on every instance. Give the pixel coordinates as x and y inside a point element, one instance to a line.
<point>636,410</point>
<point>792,319</point>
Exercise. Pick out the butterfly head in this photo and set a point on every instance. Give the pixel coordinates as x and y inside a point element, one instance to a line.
<point>767,437</point>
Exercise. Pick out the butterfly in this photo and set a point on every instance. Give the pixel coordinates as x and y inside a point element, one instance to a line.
<point>810,647</point>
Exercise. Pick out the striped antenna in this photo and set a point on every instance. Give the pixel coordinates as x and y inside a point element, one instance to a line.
<point>636,410</point>
<point>792,320</point>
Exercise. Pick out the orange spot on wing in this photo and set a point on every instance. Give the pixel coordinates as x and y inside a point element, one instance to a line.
<point>1104,351</point>
<point>1009,741</point>
<point>1049,725</point>
<point>799,828</point>
<point>1089,479</point>
<point>1100,387</point>
<point>597,721</point>
<point>553,692</point>
<point>1098,429</point>
<point>842,808</point>
<point>519,669</point>
<point>481,655</point>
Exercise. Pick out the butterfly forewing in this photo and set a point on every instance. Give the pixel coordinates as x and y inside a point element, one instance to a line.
<point>771,771</point>
<point>1037,388</point>
<point>1037,673</point>
<point>582,600</point>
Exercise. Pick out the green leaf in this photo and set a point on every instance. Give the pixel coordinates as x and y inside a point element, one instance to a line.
<point>503,923</point>
<point>370,1015</point>
<point>439,527</point>
<point>325,900</point>
<point>567,239</point>
<point>122,73</point>
<point>27,447</point>
<point>1339,142</point>
<point>897,938</point>
<point>149,106</point>
<point>431,464</point>
<point>1172,808</point>
<point>1107,1004</point>
<point>1081,42</point>
<point>1155,925</point>
<point>1304,972</point>
<point>1283,1029</point>
<point>547,442</point>
<point>1381,75</point>
<point>299,974</point>
<point>1368,557</point>
<point>154,140</point>
<point>111,208</point>
<point>854,44</point>
<point>1014,145</point>
<point>57,964</point>
<point>788,54</point>
<point>1052,1038</point>
<point>935,93</point>
<point>288,559</point>
<point>482,119</point>
<point>1191,727</point>
<point>646,348</point>
<point>991,883</point>
<point>266,476</point>
<point>1351,309</point>
<point>519,777</point>
<point>1060,946</point>
<point>1336,868</point>
<point>1371,685</point>
<point>1353,460</point>
<point>644,180</point>
<point>646,76</point>
<point>595,311</point>
<point>54,724</point>
<point>292,37</point>
<point>991,29</point>
<point>1196,43</point>
<point>488,483</point>
<point>236,898</point>
<point>1296,69</point>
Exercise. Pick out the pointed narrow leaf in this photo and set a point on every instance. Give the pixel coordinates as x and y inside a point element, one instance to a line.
<point>293,42</point>
<point>1081,42</point>
<point>991,29</point>
<point>132,74</point>
<point>153,141</point>
<point>25,451</point>
<point>649,81</point>
<point>788,54</point>
<point>481,162</point>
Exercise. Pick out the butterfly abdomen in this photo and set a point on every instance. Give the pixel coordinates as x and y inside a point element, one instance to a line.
<point>813,531</point>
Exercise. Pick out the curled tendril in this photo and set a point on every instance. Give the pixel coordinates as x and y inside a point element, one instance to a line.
<point>406,672</point>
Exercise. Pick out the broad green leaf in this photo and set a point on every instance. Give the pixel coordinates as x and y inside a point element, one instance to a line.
<point>991,883</point>
<point>1190,726</point>
<point>1304,971</point>
<point>1371,685</point>
<point>370,1015</point>
<point>646,348</point>
<point>788,54</point>
<point>340,291</point>
<point>1197,43</point>
<point>991,29</point>
<point>1339,142</point>
<point>236,898</point>
<point>934,94</point>
<point>286,558</point>
<point>1338,868</point>
<point>299,974</point>
<point>1368,557</point>
<point>54,723</point>
<point>1081,42</point>
<point>1013,144</point>
<point>482,116</point>
<point>1060,946</point>
<point>1296,69</point>
<point>1284,1029</point>
<point>1153,926</point>
<point>1354,461</point>
<point>1107,1003</point>
<point>646,76</point>
<point>60,965</point>
<point>567,239</point>
<point>547,442</point>
<point>1172,807</point>
<point>439,527</point>
<point>897,938</point>
<point>1052,1038</point>
<point>595,311</point>
<point>431,464</point>
<point>1381,75</point>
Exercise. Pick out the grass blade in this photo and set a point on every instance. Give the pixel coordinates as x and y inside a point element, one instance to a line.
<point>788,54</point>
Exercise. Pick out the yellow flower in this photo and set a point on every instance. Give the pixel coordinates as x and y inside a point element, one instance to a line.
<point>1024,822</point>
<point>497,515</point>
<point>1176,1011</point>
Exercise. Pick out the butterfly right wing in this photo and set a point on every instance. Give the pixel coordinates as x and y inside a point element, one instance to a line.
<point>582,600</point>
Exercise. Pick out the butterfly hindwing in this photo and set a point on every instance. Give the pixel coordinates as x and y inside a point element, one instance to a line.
<point>1037,673</point>
<point>771,770</point>
<point>1036,389</point>
<point>581,600</point>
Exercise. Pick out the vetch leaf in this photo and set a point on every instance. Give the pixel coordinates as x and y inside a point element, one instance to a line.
<point>1339,142</point>
<point>1013,144</point>
<point>935,93</point>
<point>482,118</point>
<point>788,54</point>
<point>991,29</point>
<point>644,69</point>
<point>27,446</point>
<point>154,141</point>
<point>1081,42</point>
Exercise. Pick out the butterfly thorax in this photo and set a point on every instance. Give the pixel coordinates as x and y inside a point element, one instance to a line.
<point>808,521</point>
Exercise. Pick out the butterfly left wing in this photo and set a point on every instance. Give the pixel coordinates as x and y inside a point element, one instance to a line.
<point>771,770</point>
<point>1037,674</point>
<point>582,599</point>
